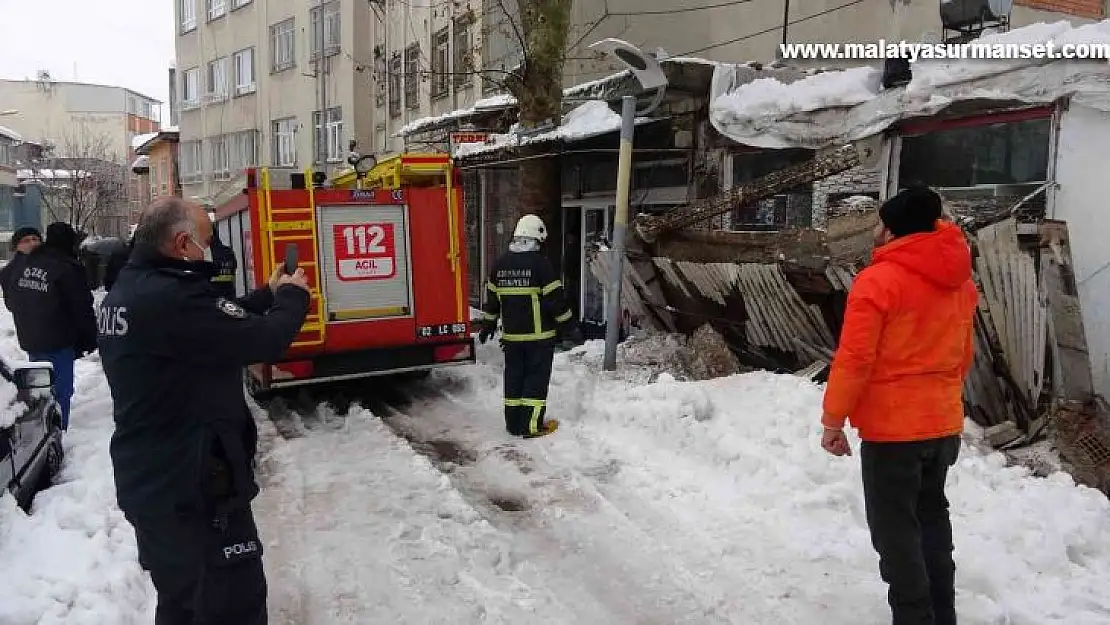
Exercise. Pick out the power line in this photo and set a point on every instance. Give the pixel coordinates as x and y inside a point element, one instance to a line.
<point>706,7</point>
<point>772,29</point>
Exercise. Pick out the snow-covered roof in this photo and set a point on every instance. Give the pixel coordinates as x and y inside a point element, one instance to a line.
<point>50,174</point>
<point>138,140</point>
<point>171,129</point>
<point>588,120</point>
<point>11,134</point>
<point>839,106</point>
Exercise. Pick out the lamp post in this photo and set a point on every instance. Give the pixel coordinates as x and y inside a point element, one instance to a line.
<point>647,71</point>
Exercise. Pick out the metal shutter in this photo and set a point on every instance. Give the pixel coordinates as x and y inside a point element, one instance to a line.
<point>360,297</point>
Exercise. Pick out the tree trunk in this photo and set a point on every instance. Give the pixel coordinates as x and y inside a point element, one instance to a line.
<point>538,88</point>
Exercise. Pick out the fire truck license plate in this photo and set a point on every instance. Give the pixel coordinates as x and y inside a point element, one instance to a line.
<point>365,251</point>
<point>426,332</point>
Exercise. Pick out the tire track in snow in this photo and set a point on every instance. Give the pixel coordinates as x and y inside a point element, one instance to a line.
<point>572,525</point>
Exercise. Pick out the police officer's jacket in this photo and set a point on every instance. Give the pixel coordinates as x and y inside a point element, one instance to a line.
<point>528,297</point>
<point>173,351</point>
<point>51,302</point>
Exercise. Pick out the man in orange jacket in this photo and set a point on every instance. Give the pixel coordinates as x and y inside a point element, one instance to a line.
<point>905,348</point>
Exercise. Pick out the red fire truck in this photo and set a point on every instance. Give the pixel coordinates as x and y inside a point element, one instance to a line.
<point>384,254</point>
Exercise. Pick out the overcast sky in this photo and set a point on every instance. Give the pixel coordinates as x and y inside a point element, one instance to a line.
<point>126,43</point>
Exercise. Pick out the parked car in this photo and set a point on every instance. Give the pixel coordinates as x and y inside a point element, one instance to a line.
<point>31,451</point>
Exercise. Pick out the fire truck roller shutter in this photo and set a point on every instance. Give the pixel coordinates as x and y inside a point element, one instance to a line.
<point>365,254</point>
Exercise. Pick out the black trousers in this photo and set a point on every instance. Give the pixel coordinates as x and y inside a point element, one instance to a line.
<point>206,570</point>
<point>527,376</point>
<point>907,512</point>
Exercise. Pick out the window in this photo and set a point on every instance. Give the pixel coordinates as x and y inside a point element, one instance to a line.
<point>412,76</point>
<point>1004,153</point>
<point>284,141</point>
<point>189,163</point>
<point>328,139</point>
<point>395,76</point>
<point>244,150</point>
<point>464,52</point>
<point>236,4</point>
<point>217,79</point>
<point>792,208</point>
<point>500,48</point>
<point>441,62</point>
<point>216,9</point>
<point>283,46</point>
<point>188,13</point>
<point>5,151</point>
<point>219,158</point>
<point>190,88</point>
<point>329,38</point>
<point>244,71</point>
<point>381,77</point>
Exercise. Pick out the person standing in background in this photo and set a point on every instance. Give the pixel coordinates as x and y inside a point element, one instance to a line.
<point>52,307</point>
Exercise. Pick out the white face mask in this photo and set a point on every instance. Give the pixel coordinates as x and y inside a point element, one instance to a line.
<point>207,251</point>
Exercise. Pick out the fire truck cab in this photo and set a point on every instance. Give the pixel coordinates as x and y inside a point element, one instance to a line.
<point>384,255</point>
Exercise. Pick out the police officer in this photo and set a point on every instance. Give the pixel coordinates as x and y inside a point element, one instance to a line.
<point>528,297</point>
<point>224,258</point>
<point>173,351</point>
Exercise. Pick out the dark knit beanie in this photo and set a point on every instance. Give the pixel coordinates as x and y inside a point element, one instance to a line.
<point>23,233</point>
<point>913,210</point>
<point>61,236</point>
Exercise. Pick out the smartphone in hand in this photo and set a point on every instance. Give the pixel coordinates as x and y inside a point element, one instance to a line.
<point>290,259</point>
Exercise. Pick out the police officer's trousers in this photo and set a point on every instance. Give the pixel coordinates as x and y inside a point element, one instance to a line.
<point>527,375</point>
<point>206,570</point>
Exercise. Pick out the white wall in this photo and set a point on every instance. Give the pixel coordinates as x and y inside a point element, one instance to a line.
<point>1081,173</point>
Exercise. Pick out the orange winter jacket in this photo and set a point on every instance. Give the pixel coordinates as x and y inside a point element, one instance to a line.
<point>907,341</point>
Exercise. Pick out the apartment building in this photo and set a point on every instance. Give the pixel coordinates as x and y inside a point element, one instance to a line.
<point>83,121</point>
<point>433,57</point>
<point>280,83</point>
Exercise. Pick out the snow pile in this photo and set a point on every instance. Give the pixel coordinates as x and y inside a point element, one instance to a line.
<point>73,559</point>
<point>727,478</point>
<point>588,120</point>
<point>765,112</point>
<point>928,74</point>
<point>11,134</point>
<point>770,98</point>
<point>138,140</point>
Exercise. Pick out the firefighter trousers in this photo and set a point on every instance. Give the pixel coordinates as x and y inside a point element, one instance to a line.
<point>527,375</point>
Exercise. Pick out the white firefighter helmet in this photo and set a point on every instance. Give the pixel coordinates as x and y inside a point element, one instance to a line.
<point>531,227</point>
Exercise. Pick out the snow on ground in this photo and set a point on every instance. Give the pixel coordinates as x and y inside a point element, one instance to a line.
<point>73,559</point>
<point>658,501</point>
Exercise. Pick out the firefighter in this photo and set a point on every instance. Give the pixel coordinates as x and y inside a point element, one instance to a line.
<point>224,258</point>
<point>527,296</point>
<point>173,352</point>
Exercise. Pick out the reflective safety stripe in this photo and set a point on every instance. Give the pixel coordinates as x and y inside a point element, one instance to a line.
<point>223,279</point>
<point>517,290</point>
<point>513,402</point>
<point>537,406</point>
<point>489,316</point>
<point>563,318</point>
<point>537,314</point>
<point>491,287</point>
<point>550,288</point>
<point>535,336</point>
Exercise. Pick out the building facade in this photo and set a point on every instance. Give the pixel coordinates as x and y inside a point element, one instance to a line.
<point>278,83</point>
<point>85,122</point>
<point>160,166</point>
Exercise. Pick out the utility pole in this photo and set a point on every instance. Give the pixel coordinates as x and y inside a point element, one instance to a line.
<point>620,221</point>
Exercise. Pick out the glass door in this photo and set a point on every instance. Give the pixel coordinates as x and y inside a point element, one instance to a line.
<point>596,230</point>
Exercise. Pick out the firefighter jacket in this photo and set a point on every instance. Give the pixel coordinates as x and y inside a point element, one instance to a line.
<point>224,259</point>
<point>51,302</point>
<point>173,352</point>
<point>524,292</point>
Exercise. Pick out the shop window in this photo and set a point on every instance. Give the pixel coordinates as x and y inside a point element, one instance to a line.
<point>792,208</point>
<point>992,154</point>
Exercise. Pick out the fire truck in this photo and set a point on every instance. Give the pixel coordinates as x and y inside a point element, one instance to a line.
<point>384,254</point>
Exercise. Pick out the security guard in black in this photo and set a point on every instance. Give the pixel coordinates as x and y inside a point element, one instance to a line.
<point>173,351</point>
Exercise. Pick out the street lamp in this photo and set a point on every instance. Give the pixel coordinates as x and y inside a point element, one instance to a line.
<point>647,71</point>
